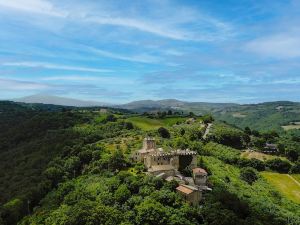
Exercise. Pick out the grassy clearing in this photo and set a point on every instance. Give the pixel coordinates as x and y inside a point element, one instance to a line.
<point>238,115</point>
<point>291,126</point>
<point>145,123</point>
<point>258,155</point>
<point>152,124</point>
<point>285,184</point>
<point>296,177</point>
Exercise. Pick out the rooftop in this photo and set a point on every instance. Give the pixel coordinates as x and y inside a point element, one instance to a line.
<point>186,189</point>
<point>174,152</point>
<point>199,171</point>
<point>160,168</point>
<point>147,150</point>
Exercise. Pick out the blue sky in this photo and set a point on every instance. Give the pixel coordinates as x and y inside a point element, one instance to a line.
<point>119,51</point>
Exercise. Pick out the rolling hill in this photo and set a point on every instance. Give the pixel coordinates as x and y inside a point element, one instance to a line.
<point>262,116</point>
<point>56,100</point>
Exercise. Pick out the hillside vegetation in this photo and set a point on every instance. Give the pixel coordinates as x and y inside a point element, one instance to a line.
<point>71,166</point>
<point>285,184</point>
<point>262,117</point>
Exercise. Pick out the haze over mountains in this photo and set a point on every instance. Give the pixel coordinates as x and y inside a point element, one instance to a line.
<point>145,105</point>
<point>261,116</point>
<point>56,100</point>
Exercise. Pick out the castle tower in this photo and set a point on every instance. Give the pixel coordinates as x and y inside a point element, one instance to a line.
<point>149,143</point>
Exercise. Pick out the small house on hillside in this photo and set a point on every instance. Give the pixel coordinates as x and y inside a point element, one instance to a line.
<point>191,194</point>
<point>270,149</point>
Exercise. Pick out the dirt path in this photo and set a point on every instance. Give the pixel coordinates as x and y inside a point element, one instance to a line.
<point>207,130</point>
<point>294,179</point>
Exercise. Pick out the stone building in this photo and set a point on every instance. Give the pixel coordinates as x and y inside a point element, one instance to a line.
<point>149,146</point>
<point>175,160</point>
<point>157,161</point>
<point>190,193</point>
<point>167,165</point>
<point>200,176</point>
<point>270,149</point>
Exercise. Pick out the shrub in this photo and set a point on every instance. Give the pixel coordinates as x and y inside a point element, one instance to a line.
<point>163,132</point>
<point>255,163</point>
<point>279,165</point>
<point>296,168</point>
<point>249,175</point>
<point>110,118</point>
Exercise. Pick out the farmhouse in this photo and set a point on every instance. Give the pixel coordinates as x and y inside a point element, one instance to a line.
<point>190,193</point>
<point>270,149</point>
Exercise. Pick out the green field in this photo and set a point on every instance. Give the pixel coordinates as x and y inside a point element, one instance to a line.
<point>285,184</point>
<point>291,126</point>
<point>296,177</point>
<point>259,155</point>
<point>151,124</point>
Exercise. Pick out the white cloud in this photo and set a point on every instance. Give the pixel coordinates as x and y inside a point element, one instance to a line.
<point>33,6</point>
<point>143,58</point>
<point>171,21</point>
<point>156,29</point>
<point>285,45</point>
<point>17,85</point>
<point>103,79</point>
<point>54,66</point>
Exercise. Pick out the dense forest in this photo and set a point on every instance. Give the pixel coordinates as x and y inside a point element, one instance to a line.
<point>67,165</point>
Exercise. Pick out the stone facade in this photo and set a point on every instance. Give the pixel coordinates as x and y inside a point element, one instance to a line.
<point>155,157</point>
<point>191,194</point>
<point>149,146</point>
<point>175,158</point>
<point>200,176</point>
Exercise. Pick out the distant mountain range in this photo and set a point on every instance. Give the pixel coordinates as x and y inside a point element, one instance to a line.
<point>196,107</point>
<point>55,100</point>
<point>262,116</point>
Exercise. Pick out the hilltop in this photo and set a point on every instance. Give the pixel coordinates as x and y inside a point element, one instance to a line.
<point>197,107</point>
<point>56,100</point>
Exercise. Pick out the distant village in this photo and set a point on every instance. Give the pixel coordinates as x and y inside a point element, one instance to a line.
<point>167,165</point>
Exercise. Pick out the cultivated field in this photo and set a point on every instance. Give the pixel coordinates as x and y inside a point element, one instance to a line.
<point>238,115</point>
<point>258,155</point>
<point>285,184</point>
<point>151,124</point>
<point>296,177</point>
<point>291,126</point>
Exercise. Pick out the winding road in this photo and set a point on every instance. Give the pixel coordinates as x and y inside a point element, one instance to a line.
<point>207,130</point>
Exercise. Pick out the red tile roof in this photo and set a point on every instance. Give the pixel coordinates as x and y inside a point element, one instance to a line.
<point>199,170</point>
<point>184,189</point>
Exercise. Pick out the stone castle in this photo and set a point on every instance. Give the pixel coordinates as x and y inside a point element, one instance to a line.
<point>167,166</point>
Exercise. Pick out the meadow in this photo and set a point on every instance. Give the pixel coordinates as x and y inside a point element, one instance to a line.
<point>145,123</point>
<point>285,184</point>
<point>259,155</point>
<point>291,126</point>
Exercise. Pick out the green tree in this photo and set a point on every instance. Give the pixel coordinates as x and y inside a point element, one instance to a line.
<point>110,118</point>
<point>249,175</point>
<point>14,210</point>
<point>281,166</point>
<point>163,132</point>
<point>122,193</point>
<point>151,212</point>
